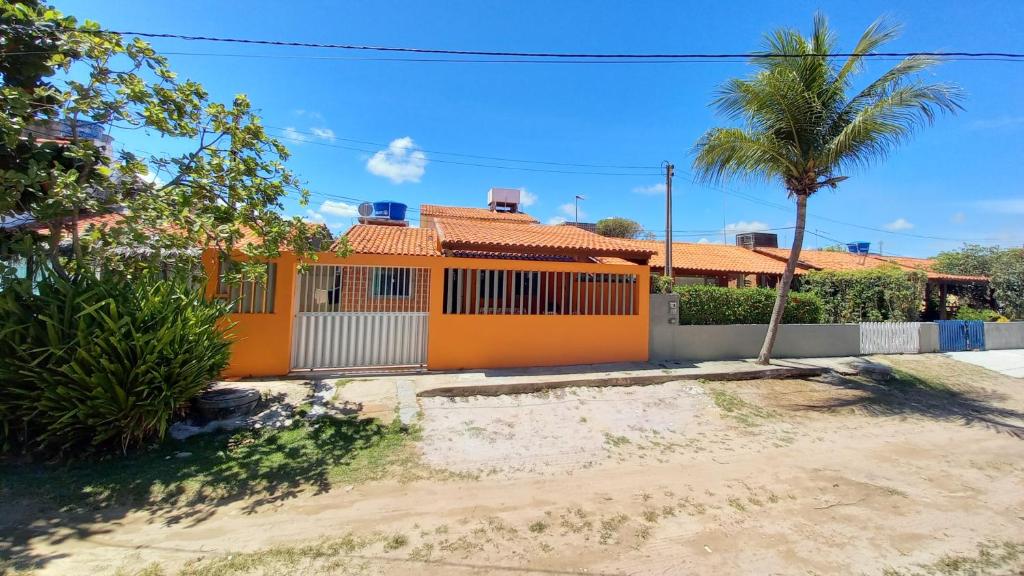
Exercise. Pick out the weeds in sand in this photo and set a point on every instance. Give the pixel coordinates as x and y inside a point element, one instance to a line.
<point>737,504</point>
<point>991,558</point>
<point>610,528</point>
<point>738,409</point>
<point>649,515</point>
<point>422,553</point>
<point>395,542</point>
<point>575,520</point>
<point>538,527</point>
<point>614,440</point>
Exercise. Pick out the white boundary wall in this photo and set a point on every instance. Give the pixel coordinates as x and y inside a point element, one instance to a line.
<point>1004,335</point>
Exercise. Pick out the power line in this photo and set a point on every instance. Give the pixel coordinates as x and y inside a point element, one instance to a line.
<point>478,60</point>
<point>605,55</point>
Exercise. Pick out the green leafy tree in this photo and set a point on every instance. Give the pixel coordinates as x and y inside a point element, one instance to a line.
<point>227,186</point>
<point>804,125</point>
<point>883,294</point>
<point>619,228</point>
<point>1005,269</point>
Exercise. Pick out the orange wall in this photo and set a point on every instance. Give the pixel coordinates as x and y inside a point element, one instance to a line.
<point>501,341</point>
<point>263,341</point>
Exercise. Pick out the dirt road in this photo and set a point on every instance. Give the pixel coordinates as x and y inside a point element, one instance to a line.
<point>763,477</point>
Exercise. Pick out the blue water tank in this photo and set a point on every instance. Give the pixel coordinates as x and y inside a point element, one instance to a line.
<point>390,210</point>
<point>858,247</point>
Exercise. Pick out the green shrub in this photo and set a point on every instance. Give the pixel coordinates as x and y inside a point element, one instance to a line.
<point>89,363</point>
<point>968,313</point>
<point>883,294</point>
<point>717,305</point>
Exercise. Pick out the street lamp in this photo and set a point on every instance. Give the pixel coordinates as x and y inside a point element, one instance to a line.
<point>577,201</point>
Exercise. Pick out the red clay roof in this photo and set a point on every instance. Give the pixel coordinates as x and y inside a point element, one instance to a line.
<point>722,258</point>
<point>534,239</point>
<point>830,260</point>
<point>370,239</point>
<point>462,213</point>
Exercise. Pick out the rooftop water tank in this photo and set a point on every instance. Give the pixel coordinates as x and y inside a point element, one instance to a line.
<point>858,247</point>
<point>389,209</point>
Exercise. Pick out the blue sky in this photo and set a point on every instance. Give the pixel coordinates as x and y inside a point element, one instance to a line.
<point>958,181</point>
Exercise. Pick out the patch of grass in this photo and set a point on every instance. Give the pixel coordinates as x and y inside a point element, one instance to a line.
<point>615,440</point>
<point>610,527</point>
<point>153,569</point>
<point>395,541</point>
<point>739,409</point>
<point>737,504</point>
<point>422,553</point>
<point>538,527</point>
<point>576,520</point>
<point>278,559</point>
<point>270,463</point>
<point>906,382</point>
<point>649,515</point>
<point>991,558</point>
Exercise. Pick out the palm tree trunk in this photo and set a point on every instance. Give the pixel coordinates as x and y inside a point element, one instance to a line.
<point>787,278</point>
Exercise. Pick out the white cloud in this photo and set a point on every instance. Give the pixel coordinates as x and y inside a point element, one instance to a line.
<point>301,137</point>
<point>958,218</point>
<point>653,189</point>
<point>323,133</point>
<point>339,208</point>
<point>899,224</point>
<point>527,198</point>
<point>401,162</point>
<point>743,226</point>
<point>997,123</point>
<point>703,241</point>
<point>569,209</point>
<point>556,221</point>
<point>1008,206</point>
<point>308,114</point>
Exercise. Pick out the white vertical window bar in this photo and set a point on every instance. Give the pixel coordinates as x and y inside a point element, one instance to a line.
<point>563,290</point>
<point>572,303</point>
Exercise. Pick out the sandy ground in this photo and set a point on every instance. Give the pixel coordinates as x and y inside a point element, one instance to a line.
<point>761,477</point>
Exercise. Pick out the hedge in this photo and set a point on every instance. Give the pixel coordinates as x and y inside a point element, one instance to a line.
<point>717,305</point>
<point>884,294</point>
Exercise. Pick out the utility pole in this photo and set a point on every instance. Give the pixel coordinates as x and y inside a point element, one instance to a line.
<point>577,202</point>
<point>669,173</point>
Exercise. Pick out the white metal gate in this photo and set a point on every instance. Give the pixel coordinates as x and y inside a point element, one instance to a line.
<point>360,316</point>
<point>890,337</point>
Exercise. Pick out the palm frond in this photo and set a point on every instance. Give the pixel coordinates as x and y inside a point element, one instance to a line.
<point>724,153</point>
<point>879,33</point>
<point>889,120</point>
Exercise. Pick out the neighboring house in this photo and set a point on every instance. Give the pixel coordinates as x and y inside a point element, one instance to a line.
<point>834,260</point>
<point>716,264</point>
<point>471,288</point>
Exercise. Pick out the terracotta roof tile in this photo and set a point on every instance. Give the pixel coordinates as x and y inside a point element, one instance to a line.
<point>370,239</point>
<point>534,239</point>
<point>830,260</point>
<point>722,258</point>
<point>463,213</point>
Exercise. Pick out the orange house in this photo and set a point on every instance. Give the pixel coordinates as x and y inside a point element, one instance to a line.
<point>473,288</point>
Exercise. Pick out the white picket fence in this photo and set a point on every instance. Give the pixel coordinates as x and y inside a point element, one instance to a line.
<point>890,337</point>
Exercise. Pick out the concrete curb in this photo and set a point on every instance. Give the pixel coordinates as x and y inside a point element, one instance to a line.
<point>485,389</point>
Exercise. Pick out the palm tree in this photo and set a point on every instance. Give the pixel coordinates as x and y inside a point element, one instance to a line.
<point>805,126</point>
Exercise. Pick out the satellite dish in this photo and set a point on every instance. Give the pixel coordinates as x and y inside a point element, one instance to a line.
<point>366,209</point>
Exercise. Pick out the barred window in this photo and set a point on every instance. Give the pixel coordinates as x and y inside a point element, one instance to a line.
<point>250,295</point>
<point>519,292</point>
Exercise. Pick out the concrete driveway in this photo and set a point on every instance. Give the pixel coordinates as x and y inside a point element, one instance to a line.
<point>1009,362</point>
